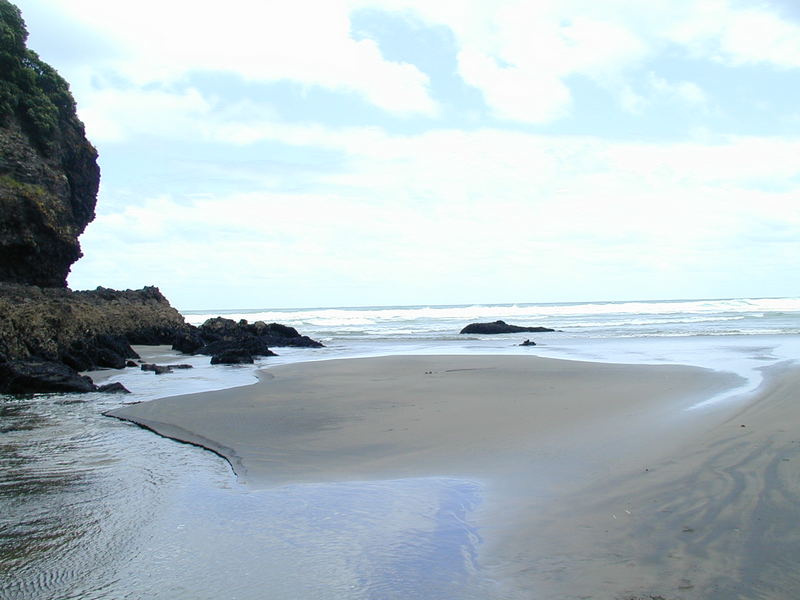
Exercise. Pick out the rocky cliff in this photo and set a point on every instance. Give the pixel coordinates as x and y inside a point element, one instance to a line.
<point>48,189</point>
<point>48,169</point>
<point>48,186</point>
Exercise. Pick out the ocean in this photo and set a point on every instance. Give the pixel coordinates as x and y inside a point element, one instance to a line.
<point>433,324</point>
<point>94,508</point>
<point>738,334</point>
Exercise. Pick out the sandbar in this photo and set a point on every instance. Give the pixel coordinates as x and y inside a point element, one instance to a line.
<point>601,481</point>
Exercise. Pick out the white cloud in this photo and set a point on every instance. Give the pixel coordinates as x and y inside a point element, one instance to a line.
<point>427,210</point>
<point>514,93</point>
<point>658,88</point>
<point>521,54</point>
<point>301,41</point>
<point>690,92</point>
<point>737,33</point>
<point>113,115</point>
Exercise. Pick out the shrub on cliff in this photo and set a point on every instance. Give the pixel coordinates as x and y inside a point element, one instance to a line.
<point>29,89</point>
<point>48,169</point>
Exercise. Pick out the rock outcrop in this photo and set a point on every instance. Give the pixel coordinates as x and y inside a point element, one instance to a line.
<point>44,327</point>
<point>48,169</point>
<point>233,342</point>
<point>37,375</point>
<point>83,329</point>
<point>232,357</point>
<point>113,388</point>
<point>500,327</point>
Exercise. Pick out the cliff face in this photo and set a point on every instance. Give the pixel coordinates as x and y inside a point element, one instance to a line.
<point>48,169</point>
<point>48,189</point>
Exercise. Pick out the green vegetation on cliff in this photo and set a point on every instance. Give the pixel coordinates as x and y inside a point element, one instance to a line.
<point>30,89</point>
<point>48,169</point>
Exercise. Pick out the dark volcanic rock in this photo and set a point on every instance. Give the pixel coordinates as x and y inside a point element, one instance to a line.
<point>232,357</point>
<point>79,330</point>
<point>108,351</point>
<point>157,369</point>
<point>279,335</point>
<point>500,327</point>
<point>188,341</point>
<point>272,334</point>
<point>220,336</point>
<point>36,375</point>
<point>48,169</point>
<point>114,388</point>
<point>219,327</point>
<point>84,329</point>
<point>251,345</point>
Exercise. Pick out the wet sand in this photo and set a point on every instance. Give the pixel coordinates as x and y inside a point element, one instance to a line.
<point>599,483</point>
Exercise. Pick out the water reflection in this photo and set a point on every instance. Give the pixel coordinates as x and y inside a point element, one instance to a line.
<point>93,508</point>
<point>392,539</point>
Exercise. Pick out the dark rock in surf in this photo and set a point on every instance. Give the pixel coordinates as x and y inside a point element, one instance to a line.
<point>157,369</point>
<point>221,337</point>
<point>188,341</point>
<point>272,334</point>
<point>500,327</point>
<point>528,343</point>
<point>254,346</point>
<point>279,335</point>
<point>113,388</point>
<point>232,357</point>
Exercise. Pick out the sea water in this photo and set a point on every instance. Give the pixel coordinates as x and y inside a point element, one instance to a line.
<point>741,335</point>
<point>94,508</point>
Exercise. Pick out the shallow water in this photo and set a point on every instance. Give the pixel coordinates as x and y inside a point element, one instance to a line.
<point>94,508</point>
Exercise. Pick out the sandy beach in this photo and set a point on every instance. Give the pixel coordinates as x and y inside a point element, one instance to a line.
<point>600,480</point>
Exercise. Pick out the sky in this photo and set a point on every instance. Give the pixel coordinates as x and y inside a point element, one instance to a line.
<point>264,154</point>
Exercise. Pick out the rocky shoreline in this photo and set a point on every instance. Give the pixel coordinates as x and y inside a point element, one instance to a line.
<point>49,335</point>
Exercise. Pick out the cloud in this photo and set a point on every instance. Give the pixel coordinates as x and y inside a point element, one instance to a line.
<point>303,41</point>
<point>419,205</point>
<point>655,89</point>
<point>515,93</point>
<point>520,55</point>
<point>738,34</point>
<point>426,211</point>
<point>114,115</point>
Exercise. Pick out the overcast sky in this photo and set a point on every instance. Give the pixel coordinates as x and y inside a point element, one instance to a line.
<point>334,153</point>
